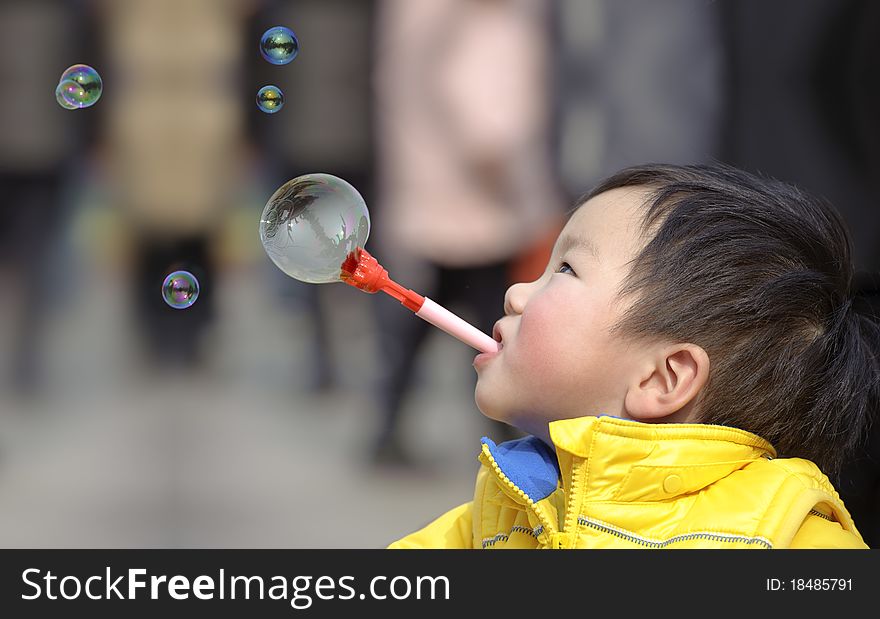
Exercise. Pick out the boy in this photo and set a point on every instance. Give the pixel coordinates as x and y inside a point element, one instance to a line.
<point>686,368</point>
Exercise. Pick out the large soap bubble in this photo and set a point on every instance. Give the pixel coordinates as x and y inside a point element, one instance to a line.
<point>311,224</point>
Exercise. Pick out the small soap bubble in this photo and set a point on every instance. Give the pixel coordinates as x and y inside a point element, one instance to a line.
<point>72,93</point>
<point>270,99</point>
<point>80,85</point>
<point>278,45</point>
<point>61,98</point>
<point>180,289</point>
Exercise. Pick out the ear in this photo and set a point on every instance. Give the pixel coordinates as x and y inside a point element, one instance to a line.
<point>667,390</point>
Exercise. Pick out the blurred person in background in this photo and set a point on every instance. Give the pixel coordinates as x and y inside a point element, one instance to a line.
<point>173,145</point>
<point>324,126</point>
<point>639,81</point>
<point>465,180</point>
<point>785,88</point>
<point>40,143</point>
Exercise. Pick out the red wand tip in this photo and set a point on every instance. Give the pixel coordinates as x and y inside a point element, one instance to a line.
<point>361,270</point>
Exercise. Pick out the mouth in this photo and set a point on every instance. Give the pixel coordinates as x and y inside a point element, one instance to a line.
<point>483,358</point>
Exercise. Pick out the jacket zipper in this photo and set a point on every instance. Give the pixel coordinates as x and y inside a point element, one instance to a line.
<point>503,537</point>
<point>653,543</point>
<point>545,524</point>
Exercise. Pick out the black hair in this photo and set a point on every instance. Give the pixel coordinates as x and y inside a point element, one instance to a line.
<point>759,274</point>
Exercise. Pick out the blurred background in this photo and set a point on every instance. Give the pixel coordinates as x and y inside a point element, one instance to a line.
<point>273,413</point>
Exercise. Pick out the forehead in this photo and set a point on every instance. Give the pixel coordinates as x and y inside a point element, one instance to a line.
<point>610,220</point>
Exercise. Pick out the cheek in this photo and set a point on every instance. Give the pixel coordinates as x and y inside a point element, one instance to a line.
<point>553,340</point>
<point>536,346</point>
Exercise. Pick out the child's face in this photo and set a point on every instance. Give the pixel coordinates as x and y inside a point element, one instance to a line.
<point>557,359</point>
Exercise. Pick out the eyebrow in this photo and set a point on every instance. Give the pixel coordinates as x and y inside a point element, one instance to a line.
<point>567,243</point>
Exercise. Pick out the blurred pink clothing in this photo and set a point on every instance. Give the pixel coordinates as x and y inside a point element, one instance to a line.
<point>463,113</point>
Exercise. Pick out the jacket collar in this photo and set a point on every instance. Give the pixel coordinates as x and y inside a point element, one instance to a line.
<point>528,463</point>
<point>622,460</point>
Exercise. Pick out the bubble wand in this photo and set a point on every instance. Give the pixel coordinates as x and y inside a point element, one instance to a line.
<point>314,228</point>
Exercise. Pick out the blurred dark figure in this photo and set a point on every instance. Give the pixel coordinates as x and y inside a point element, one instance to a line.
<point>172,334</point>
<point>785,88</point>
<point>324,126</point>
<point>465,178</point>
<point>173,146</point>
<point>639,82</point>
<point>802,105</point>
<point>39,141</point>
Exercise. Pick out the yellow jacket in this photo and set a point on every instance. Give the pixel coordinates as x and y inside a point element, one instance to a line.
<point>615,483</point>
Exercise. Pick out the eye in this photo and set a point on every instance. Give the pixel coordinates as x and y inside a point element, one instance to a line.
<point>565,268</point>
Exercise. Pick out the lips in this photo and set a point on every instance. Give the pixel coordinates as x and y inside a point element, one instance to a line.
<point>484,357</point>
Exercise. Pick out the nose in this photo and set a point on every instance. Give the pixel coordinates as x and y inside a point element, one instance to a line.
<point>515,298</point>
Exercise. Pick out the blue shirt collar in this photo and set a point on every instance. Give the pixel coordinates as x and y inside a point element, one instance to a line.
<point>529,463</point>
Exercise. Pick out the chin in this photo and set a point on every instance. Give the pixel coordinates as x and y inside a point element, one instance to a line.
<point>487,404</point>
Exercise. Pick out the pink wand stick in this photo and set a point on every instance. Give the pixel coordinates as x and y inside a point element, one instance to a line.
<point>364,272</point>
